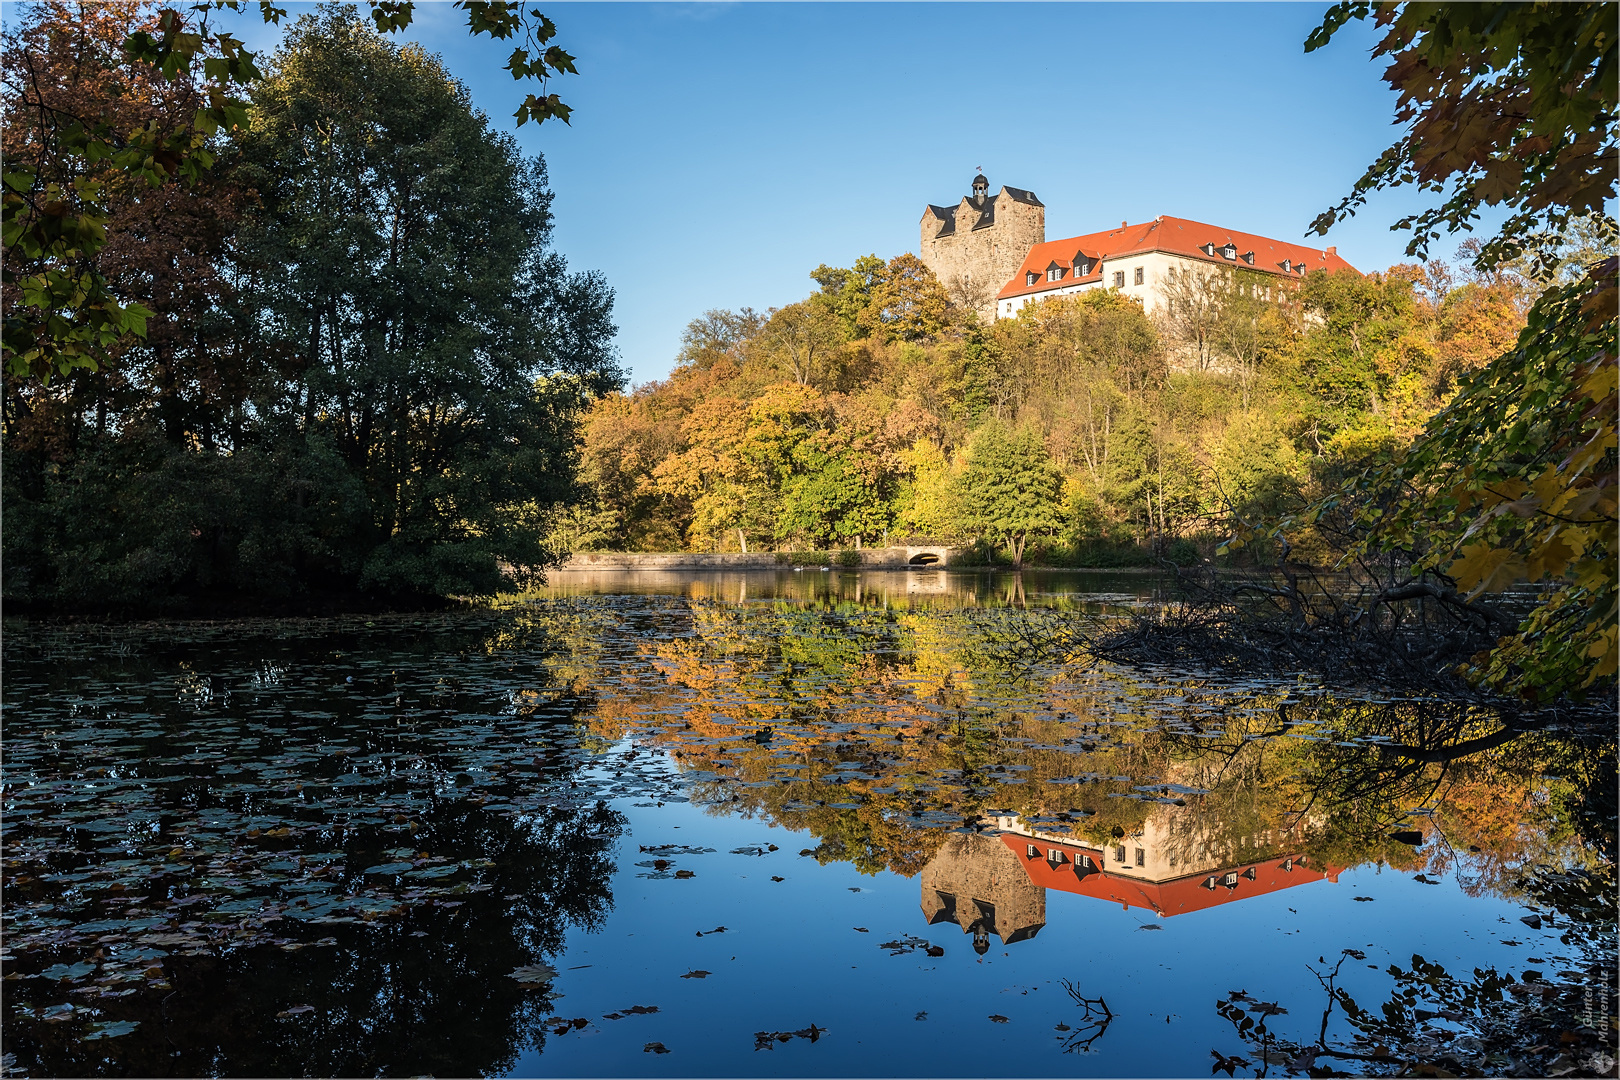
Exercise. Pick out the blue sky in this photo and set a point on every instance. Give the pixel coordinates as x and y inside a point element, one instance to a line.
<point>720,152</point>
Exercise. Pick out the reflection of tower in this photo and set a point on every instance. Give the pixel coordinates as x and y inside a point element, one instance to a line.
<point>978,883</point>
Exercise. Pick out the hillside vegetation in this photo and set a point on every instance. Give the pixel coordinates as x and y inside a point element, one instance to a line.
<point>875,411</point>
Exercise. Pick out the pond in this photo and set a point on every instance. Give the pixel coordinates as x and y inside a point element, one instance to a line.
<point>811,822</point>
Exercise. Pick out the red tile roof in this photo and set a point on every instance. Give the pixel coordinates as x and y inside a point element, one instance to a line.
<point>1176,236</point>
<point>1178,896</point>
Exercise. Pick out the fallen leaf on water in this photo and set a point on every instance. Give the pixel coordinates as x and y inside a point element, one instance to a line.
<point>1150,926</point>
<point>1362,899</point>
<point>921,1016</point>
<point>775,878</point>
<point>698,974</point>
<point>655,1048</point>
<point>111,1029</point>
<point>767,1040</point>
<point>861,930</point>
<point>716,930</point>
<point>296,1010</point>
<point>997,1018</point>
<point>1061,1027</point>
<point>534,974</point>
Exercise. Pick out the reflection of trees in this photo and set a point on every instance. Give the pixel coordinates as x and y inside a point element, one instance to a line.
<point>424,994</point>
<point>1530,816</point>
<point>887,725</point>
<point>1484,1023</point>
<point>203,933</point>
<point>1093,1023</point>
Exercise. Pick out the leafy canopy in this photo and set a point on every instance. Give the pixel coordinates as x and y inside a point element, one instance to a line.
<point>1509,104</point>
<point>61,314</point>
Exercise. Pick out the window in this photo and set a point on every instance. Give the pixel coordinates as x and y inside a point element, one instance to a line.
<point>1031,851</point>
<point>1031,278</point>
<point>1141,857</point>
<point>1054,273</point>
<point>1229,251</point>
<point>1055,857</point>
<point>1085,861</point>
<point>1119,279</point>
<point>1119,854</point>
<point>1137,276</point>
<point>1207,249</point>
<point>1248,257</point>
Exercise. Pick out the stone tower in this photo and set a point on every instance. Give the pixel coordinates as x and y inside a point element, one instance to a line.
<point>979,884</point>
<point>975,246</point>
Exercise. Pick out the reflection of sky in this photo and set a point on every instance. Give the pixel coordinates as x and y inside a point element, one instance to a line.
<point>790,957</point>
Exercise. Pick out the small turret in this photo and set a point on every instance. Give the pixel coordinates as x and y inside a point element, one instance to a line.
<point>981,189</point>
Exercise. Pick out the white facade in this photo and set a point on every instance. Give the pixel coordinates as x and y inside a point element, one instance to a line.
<point>1142,275</point>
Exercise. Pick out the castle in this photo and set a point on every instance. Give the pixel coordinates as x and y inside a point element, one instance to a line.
<point>974,247</point>
<point>991,254</point>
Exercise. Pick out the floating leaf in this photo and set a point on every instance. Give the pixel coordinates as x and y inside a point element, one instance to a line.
<point>534,974</point>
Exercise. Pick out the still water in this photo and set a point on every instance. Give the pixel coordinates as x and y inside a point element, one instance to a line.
<point>796,823</point>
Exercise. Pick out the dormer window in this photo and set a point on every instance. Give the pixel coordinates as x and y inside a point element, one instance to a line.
<point>1288,267</point>
<point>1248,257</point>
<point>1031,277</point>
<point>1082,265</point>
<point>1207,249</point>
<point>1229,251</point>
<point>1054,272</point>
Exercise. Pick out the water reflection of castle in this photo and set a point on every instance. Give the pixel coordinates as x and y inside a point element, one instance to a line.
<point>996,882</point>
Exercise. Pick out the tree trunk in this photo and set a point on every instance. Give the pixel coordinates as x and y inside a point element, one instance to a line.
<point>743,540</point>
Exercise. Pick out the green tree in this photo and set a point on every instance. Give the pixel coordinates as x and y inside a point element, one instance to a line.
<point>1009,490</point>
<point>1359,340</point>
<point>400,263</point>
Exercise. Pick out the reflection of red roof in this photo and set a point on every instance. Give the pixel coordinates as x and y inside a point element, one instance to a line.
<point>1177,236</point>
<point>1081,871</point>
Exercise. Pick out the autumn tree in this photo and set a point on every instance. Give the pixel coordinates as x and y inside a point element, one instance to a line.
<point>1501,106</point>
<point>898,300</point>
<point>1515,479</point>
<point>1362,339</point>
<point>1190,312</point>
<point>803,339</point>
<point>61,313</point>
<point>383,399</point>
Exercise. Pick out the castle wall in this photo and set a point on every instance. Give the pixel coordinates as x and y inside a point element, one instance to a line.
<point>973,264</point>
<point>976,877</point>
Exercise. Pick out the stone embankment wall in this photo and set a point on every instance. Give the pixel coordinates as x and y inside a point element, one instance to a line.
<point>891,558</point>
